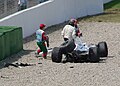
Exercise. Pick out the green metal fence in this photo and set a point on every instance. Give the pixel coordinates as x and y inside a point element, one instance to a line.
<point>10,40</point>
<point>1,46</point>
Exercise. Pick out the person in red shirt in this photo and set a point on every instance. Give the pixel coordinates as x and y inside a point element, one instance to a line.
<point>41,38</point>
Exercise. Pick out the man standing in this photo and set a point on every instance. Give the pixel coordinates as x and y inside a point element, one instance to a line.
<point>22,4</point>
<point>41,38</point>
<point>69,31</point>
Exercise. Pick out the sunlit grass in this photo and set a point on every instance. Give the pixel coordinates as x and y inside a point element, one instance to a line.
<point>111,13</point>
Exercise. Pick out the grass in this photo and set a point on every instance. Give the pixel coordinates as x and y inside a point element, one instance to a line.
<point>113,4</point>
<point>111,13</point>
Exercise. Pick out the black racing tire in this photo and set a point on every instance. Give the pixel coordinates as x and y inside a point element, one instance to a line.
<point>75,56</point>
<point>103,49</point>
<point>69,57</point>
<point>93,54</point>
<point>68,46</point>
<point>56,55</point>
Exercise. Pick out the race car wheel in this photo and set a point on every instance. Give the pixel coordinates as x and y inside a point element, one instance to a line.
<point>68,46</point>
<point>76,58</point>
<point>93,54</point>
<point>103,49</point>
<point>56,54</point>
<point>69,57</point>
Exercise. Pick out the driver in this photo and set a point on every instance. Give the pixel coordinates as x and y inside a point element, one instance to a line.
<point>71,30</point>
<point>68,31</point>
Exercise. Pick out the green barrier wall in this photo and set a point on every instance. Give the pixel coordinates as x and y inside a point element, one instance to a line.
<point>6,43</point>
<point>1,46</point>
<point>12,39</point>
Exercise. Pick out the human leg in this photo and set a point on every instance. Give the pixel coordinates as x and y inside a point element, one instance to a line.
<point>42,48</point>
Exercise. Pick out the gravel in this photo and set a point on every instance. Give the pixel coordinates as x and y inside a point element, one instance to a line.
<point>47,73</point>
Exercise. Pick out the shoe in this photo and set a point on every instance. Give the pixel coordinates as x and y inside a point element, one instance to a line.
<point>45,57</point>
<point>36,54</point>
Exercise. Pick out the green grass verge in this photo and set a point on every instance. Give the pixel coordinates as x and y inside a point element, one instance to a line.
<point>115,4</point>
<point>111,13</point>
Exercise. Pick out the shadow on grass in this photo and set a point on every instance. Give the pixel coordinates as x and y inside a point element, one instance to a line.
<point>14,57</point>
<point>111,4</point>
<point>104,13</point>
<point>100,17</point>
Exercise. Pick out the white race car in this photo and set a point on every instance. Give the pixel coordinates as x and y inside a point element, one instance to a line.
<point>76,51</point>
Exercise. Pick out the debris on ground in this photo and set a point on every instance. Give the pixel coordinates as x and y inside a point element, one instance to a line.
<point>19,65</point>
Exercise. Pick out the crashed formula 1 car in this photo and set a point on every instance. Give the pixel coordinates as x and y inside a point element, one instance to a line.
<point>76,51</point>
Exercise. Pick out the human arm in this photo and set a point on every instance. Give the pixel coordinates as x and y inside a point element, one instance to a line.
<point>45,38</point>
<point>78,32</point>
